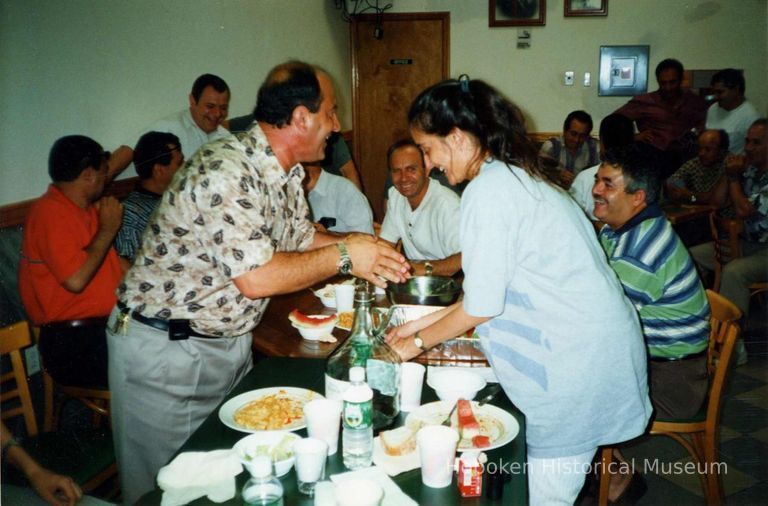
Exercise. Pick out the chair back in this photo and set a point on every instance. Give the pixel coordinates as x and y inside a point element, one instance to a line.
<point>13,384</point>
<point>725,236</point>
<point>724,330</point>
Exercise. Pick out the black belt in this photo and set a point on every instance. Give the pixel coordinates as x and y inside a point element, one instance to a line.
<point>700,354</point>
<point>177,329</point>
<point>71,324</point>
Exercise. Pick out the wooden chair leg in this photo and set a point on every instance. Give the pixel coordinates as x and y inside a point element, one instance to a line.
<point>49,418</point>
<point>606,457</point>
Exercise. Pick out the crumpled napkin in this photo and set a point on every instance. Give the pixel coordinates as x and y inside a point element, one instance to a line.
<point>394,465</point>
<point>192,475</point>
<point>393,496</point>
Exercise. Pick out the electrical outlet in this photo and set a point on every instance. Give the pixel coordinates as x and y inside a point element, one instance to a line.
<point>587,79</point>
<point>568,80</point>
<point>32,357</point>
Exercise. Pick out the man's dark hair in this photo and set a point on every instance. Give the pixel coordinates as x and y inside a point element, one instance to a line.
<point>760,122</point>
<point>287,87</point>
<point>402,143</point>
<point>669,63</point>
<point>616,130</point>
<point>153,148</point>
<point>730,78</point>
<point>71,155</point>
<point>639,167</point>
<point>581,117</point>
<point>205,80</point>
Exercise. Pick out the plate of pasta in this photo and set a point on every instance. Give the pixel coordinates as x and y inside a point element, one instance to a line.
<point>274,408</point>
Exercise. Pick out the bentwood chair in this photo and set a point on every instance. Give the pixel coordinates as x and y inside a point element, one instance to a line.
<point>87,456</point>
<point>700,435</point>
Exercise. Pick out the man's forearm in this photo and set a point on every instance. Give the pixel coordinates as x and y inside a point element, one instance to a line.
<point>741,204</point>
<point>289,272</point>
<point>96,252</point>
<point>445,267</point>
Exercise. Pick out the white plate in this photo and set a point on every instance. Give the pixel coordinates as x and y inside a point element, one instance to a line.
<point>227,411</point>
<point>499,425</point>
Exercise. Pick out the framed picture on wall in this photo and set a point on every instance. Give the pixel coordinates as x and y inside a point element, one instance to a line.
<point>516,12</point>
<point>578,8</point>
<point>623,70</point>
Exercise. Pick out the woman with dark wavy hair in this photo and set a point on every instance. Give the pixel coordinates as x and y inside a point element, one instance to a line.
<point>553,321</point>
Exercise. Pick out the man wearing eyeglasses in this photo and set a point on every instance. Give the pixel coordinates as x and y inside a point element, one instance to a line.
<point>69,270</point>
<point>157,156</point>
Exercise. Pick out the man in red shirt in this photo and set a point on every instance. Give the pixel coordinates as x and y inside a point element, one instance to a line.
<point>69,270</point>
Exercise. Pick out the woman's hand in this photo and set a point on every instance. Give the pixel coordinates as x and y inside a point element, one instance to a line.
<point>404,346</point>
<point>55,489</point>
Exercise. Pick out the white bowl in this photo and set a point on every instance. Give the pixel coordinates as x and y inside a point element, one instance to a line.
<point>359,492</point>
<point>455,383</point>
<point>327,295</point>
<point>315,333</point>
<point>260,443</point>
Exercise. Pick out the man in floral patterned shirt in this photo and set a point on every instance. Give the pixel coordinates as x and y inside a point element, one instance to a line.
<point>231,231</point>
<point>748,189</point>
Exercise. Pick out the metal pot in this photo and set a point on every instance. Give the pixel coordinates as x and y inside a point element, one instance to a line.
<point>425,291</point>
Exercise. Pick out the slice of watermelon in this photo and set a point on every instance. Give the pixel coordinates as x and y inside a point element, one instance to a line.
<point>313,321</point>
<point>481,441</point>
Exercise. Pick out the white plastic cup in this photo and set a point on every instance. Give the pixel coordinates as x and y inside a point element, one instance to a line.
<point>311,455</point>
<point>359,492</point>
<point>411,382</point>
<point>345,298</point>
<point>437,451</point>
<point>323,418</point>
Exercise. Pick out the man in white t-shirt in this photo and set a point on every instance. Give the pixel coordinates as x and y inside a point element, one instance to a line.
<point>201,122</point>
<point>732,112</point>
<point>421,213</point>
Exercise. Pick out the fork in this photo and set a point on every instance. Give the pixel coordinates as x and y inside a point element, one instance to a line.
<point>493,390</point>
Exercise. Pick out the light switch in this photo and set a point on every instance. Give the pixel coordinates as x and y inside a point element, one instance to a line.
<point>568,81</point>
<point>587,79</point>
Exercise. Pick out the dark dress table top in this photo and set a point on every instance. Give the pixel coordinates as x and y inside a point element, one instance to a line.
<point>309,373</point>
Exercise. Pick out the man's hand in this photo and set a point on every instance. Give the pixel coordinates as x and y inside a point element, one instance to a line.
<point>110,215</point>
<point>55,489</point>
<point>735,165</point>
<point>644,136</point>
<point>373,260</point>
<point>566,178</point>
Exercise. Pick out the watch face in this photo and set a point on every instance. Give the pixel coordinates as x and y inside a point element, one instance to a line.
<point>418,342</point>
<point>345,267</point>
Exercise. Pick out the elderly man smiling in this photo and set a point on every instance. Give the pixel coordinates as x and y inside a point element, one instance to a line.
<point>422,213</point>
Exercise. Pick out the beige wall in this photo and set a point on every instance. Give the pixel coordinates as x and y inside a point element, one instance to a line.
<point>703,34</point>
<point>108,68</point>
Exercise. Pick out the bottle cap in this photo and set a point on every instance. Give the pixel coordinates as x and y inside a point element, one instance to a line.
<point>471,457</point>
<point>357,374</point>
<point>363,293</point>
<point>261,467</point>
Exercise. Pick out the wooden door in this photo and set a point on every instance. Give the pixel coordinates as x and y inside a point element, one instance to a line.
<point>387,74</point>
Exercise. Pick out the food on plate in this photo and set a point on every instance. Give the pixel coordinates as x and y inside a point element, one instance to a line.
<point>468,426</point>
<point>345,320</point>
<point>481,441</point>
<point>300,319</point>
<point>400,441</point>
<point>270,412</point>
<point>281,451</point>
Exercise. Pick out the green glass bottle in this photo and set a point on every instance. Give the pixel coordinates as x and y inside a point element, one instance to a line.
<point>366,348</point>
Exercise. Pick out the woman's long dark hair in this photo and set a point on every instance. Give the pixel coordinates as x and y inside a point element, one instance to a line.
<point>479,109</point>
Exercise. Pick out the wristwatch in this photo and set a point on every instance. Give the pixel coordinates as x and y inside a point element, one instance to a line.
<point>693,198</point>
<point>344,267</point>
<point>419,342</point>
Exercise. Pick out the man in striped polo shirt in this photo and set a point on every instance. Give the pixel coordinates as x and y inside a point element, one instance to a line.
<point>659,278</point>
<point>157,157</point>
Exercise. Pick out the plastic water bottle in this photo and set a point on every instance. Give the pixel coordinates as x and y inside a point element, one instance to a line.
<point>357,435</point>
<point>263,488</point>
